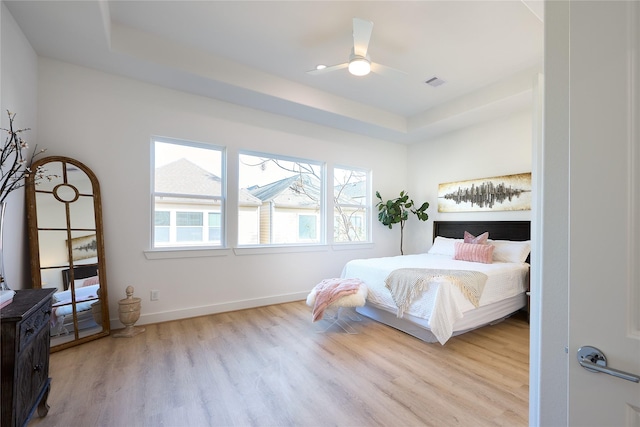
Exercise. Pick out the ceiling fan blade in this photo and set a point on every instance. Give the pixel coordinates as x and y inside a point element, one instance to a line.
<point>361,35</point>
<point>315,72</point>
<point>387,71</point>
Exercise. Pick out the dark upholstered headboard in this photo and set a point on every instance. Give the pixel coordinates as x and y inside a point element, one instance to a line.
<point>498,230</point>
<point>79,272</point>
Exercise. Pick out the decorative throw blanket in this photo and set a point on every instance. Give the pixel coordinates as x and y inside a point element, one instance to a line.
<point>406,284</point>
<point>329,291</point>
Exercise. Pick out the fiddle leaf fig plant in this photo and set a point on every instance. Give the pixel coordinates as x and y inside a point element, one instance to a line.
<point>396,211</point>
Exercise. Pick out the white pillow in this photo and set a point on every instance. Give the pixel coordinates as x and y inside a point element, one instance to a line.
<point>87,281</point>
<point>81,294</point>
<point>444,246</point>
<point>510,251</point>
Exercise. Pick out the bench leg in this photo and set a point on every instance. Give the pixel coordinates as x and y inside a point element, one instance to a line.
<point>341,320</point>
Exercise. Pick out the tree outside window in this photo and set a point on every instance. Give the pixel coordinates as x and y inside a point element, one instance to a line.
<point>280,200</point>
<point>351,205</point>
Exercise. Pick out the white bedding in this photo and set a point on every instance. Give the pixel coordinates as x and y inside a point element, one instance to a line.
<point>66,310</point>
<point>440,305</point>
<point>62,307</point>
<point>84,298</point>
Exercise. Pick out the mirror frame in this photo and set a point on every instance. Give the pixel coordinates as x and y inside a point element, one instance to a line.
<point>34,245</point>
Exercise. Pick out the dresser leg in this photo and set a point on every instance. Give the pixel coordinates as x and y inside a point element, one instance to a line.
<point>43,406</point>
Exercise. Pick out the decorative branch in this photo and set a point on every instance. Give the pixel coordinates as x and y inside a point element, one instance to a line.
<point>14,165</point>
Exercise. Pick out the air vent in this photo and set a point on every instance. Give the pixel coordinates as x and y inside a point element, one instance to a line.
<point>435,82</point>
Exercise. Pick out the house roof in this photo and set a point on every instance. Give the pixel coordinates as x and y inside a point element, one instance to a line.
<point>185,177</point>
<point>303,190</point>
<point>353,192</point>
<point>296,190</point>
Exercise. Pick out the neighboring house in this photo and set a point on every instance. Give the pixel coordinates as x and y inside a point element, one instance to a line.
<point>296,200</point>
<point>289,200</point>
<point>265,213</point>
<point>180,219</point>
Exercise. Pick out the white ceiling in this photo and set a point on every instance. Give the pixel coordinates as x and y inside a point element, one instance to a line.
<point>256,53</point>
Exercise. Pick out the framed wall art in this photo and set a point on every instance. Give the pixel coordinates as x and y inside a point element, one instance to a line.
<point>84,247</point>
<point>499,193</point>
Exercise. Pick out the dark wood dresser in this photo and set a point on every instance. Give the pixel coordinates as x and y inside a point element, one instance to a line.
<point>25,356</point>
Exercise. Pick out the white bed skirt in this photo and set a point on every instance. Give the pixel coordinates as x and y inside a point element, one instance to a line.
<point>473,319</point>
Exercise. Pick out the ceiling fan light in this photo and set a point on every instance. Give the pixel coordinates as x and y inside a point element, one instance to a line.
<point>359,66</point>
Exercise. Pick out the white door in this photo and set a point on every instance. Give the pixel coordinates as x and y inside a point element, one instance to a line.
<point>604,210</point>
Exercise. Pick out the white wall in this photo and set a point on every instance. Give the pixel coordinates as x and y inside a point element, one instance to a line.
<point>107,121</point>
<point>19,94</point>
<point>499,147</point>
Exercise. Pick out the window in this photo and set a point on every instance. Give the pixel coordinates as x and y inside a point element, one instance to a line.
<point>351,204</point>
<point>307,227</point>
<point>189,227</point>
<point>162,223</point>
<point>188,194</point>
<point>280,200</point>
<point>215,228</point>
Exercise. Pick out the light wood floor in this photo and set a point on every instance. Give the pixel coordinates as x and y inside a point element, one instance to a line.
<point>268,367</point>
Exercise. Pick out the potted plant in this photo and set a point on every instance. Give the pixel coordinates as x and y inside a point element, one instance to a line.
<point>397,210</point>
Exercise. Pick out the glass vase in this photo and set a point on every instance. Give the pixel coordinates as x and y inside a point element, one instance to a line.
<point>3,283</point>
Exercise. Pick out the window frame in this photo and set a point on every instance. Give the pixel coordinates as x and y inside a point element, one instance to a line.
<point>322,211</point>
<point>205,245</point>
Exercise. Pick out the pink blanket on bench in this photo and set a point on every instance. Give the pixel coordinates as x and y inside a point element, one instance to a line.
<point>331,290</point>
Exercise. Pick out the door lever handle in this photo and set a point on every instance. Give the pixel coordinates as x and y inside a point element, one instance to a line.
<point>594,360</point>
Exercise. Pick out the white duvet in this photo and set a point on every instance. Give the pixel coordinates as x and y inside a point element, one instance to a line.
<point>85,297</point>
<point>442,304</point>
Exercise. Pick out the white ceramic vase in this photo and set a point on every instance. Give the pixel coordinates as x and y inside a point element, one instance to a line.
<point>3,283</point>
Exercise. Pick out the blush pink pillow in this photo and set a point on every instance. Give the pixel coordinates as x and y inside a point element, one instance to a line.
<point>477,240</point>
<point>473,252</point>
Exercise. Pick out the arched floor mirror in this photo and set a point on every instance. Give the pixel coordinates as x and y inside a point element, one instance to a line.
<point>64,216</point>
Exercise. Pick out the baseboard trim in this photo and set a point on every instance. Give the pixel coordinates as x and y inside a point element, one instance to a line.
<point>167,316</point>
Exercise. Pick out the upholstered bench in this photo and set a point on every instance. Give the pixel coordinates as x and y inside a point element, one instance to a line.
<point>337,293</point>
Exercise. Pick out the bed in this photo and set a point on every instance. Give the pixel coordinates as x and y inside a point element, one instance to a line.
<point>445,308</point>
<point>86,288</point>
<point>80,274</point>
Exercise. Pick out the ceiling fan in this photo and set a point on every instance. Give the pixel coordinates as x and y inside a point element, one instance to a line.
<point>359,63</point>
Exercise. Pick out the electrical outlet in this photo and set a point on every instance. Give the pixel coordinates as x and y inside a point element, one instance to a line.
<point>155,295</point>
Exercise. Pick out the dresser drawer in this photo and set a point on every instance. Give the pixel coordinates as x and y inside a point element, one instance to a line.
<point>25,356</point>
<point>31,326</point>
<point>32,373</point>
